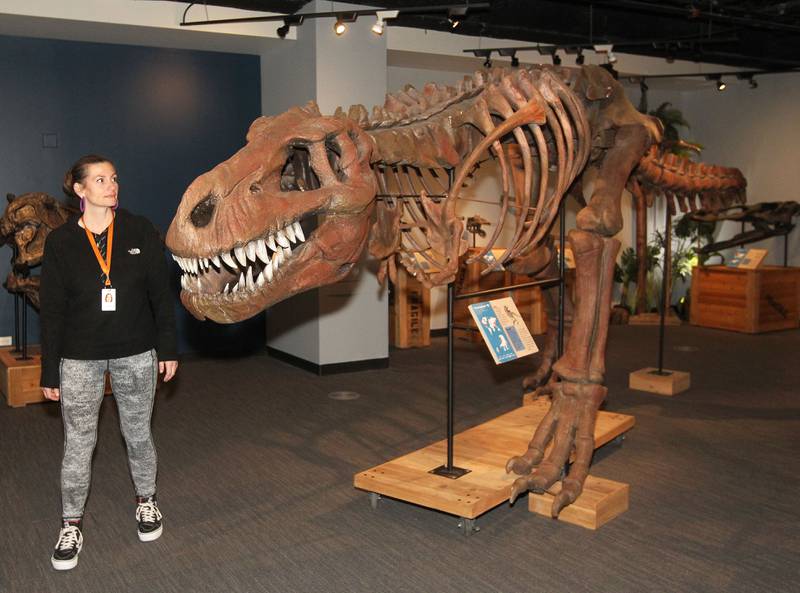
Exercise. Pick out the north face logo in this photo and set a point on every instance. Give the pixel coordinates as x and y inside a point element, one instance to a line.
<point>134,251</point>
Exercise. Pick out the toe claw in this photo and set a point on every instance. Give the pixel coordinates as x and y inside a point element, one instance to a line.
<point>519,486</point>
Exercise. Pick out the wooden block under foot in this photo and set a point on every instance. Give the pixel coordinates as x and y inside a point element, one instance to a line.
<point>668,383</point>
<point>600,501</point>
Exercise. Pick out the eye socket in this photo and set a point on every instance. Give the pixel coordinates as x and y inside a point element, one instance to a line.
<point>335,157</point>
<point>297,173</point>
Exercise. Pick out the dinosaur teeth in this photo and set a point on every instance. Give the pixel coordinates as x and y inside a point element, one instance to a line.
<point>298,231</point>
<point>193,265</point>
<point>227,288</point>
<point>289,230</point>
<point>250,250</point>
<point>226,257</point>
<point>287,251</point>
<point>281,238</point>
<point>249,279</point>
<point>240,255</point>
<point>267,271</point>
<point>216,262</point>
<point>271,243</point>
<point>261,251</point>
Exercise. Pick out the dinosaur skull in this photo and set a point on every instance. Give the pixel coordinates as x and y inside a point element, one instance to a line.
<point>289,212</point>
<point>27,221</point>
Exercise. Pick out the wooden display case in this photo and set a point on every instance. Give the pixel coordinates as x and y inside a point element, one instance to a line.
<point>409,312</point>
<point>750,301</point>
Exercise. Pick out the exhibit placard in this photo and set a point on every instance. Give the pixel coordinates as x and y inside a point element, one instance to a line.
<point>503,330</point>
<point>748,259</point>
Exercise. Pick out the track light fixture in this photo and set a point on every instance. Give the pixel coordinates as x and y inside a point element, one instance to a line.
<point>340,26</point>
<point>380,20</point>
<point>721,86</point>
<point>580,58</point>
<point>509,53</point>
<point>455,15</point>
<point>748,76</point>
<point>293,20</point>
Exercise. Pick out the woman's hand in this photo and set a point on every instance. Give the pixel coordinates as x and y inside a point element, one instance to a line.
<point>51,393</point>
<point>168,367</point>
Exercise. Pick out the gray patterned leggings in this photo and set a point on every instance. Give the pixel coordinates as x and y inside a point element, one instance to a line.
<point>133,379</point>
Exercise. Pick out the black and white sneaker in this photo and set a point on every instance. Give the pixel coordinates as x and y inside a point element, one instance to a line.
<point>149,518</point>
<point>70,542</point>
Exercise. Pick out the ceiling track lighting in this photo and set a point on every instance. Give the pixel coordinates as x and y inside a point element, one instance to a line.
<point>456,14</point>
<point>294,20</point>
<point>380,20</point>
<point>342,18</point>
<point>717,78</point>
<point>580,58</point>
<point>749,78</point>
<point>509,53</point>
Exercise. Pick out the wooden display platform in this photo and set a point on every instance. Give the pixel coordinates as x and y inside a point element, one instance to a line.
<point>484,450</point>
<point>750,301</point>
<point>671,383</point>
<point>654,319</point>
<point>19,379</point>
<point>600,501</point>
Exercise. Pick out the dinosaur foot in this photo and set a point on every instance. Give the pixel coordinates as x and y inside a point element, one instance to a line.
<point>567,428</point>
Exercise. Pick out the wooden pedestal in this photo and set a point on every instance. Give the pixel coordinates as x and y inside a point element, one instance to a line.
<point>600,501</point>
<point>668,384</point>
<point>654,319</point>
<point>19,379</point>
<point>484,450</point>
<point>410,312</point>
<point>750,301</point>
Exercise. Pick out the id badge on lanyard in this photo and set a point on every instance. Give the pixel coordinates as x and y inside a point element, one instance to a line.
<point>108,295</point>
<point>108,299</point>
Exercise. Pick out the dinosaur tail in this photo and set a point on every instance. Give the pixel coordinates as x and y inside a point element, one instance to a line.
<point>688,185</point>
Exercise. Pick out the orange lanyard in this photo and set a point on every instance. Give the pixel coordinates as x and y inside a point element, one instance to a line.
<point>105,265</point>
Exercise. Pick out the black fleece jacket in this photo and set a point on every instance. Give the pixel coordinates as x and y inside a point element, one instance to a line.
<point>73,324</point>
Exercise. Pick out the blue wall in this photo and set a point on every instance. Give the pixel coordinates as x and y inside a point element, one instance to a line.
<point>163,116</point>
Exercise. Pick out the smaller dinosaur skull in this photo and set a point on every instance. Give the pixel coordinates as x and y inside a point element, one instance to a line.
<point>27,221</point>
<point>246,232</point>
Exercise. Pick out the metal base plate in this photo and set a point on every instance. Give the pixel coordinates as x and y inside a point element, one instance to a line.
<point>450,472</point>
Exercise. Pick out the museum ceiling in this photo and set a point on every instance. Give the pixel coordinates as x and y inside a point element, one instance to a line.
<point>760,35</point>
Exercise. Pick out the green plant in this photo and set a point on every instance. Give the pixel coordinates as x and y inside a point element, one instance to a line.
<point>672,119</point>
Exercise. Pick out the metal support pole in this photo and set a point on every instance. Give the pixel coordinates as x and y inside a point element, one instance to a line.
<point>24,329</point>
<point>664,298</point>
<point>16,323</point>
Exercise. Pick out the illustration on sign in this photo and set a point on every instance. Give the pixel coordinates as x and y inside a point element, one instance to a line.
<point>503,329</point>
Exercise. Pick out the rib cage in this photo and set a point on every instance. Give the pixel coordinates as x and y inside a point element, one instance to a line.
<point>428,144</point>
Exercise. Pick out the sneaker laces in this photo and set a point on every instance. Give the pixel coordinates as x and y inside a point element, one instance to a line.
<point>68,538</point>
<point>147,512</point>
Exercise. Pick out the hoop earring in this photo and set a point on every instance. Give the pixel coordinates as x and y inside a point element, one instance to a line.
<point>83,205</point>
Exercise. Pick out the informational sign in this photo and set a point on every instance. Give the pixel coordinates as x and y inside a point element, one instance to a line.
<point>747,259</point>
<point>492,259</point>
<point>503,329</point>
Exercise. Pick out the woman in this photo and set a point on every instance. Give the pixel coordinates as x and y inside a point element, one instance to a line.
<point>105,306</point>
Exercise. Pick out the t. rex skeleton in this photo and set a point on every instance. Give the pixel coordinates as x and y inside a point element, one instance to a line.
<point>235,226</point>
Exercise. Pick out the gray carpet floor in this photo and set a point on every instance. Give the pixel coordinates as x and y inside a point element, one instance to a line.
<point>257,462</point>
